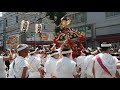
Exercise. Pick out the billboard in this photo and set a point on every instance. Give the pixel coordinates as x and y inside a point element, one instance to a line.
<point>12,41</point>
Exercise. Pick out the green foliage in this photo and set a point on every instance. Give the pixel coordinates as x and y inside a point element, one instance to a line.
<point>56,20</point>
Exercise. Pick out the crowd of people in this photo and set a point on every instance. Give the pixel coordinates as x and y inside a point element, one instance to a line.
<point>23,62</point>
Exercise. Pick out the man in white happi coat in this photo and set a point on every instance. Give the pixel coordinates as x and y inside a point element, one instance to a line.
<point>3,73</point>
<point>104,64</point>
<point>88,64</point>
<point>44,57</point>
<point>50,65</point>
<point>66,67</point>
<point>34,65</point>
<point>19,67</point>
<point>80,64</point>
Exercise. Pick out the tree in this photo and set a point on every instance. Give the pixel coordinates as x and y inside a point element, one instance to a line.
<point>56,17</point>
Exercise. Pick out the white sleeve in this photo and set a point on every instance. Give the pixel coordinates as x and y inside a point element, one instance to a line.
<point>47,69</point>
<point>23,64</point>
<point>38,63</point>
<point>75,69</point>
<point>115,58</point>
<point>1,58</point>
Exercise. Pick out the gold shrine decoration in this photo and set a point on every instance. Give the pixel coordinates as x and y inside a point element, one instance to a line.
<point>65,22</point>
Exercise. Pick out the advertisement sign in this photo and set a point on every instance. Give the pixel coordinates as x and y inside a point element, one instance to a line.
<point>30,37</point>
<point>45,36</point>
<point>87,29</point>
<point>12,41</point>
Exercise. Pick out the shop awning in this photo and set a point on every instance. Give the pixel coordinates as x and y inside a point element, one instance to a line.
<point>40,43</point>
<point>108,37</point>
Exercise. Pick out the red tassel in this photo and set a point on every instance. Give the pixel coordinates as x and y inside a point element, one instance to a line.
<point>66,29</point>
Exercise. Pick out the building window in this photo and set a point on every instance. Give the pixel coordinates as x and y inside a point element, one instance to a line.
<point>6,22</point>
<point>72,18</point>
<point>16,19</point>
<point>112,14</point>
<point>78,18</point>
<point>1,23</point>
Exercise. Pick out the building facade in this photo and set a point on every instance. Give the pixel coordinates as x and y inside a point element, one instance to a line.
<point>1,33</point>
<point>12,21</point>
<point>98,26</point>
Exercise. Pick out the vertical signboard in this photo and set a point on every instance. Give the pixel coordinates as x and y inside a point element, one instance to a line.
<point>87,29</point>
<point>30,37</point>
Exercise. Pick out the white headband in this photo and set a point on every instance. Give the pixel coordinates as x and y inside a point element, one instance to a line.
<point>21,48</point>
<point>65,52</point>
<point>106,45</point>
<point>54,53</point>
<point>94,52</point>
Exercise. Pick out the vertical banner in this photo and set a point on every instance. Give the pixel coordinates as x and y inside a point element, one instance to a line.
<point>12,41</point>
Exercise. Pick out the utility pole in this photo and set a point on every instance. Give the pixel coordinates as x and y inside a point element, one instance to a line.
<point>86,30</point>
<point>40,22</point>
<point>4,33</point>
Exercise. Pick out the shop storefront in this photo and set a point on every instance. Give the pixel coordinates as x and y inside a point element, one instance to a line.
<point>113,39</point>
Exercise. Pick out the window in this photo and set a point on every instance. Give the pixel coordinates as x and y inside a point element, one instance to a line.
<point>16,19</point>
<point>6,23</point>
<point>78,18</point>
<point>116,13</point>
<point>72,18</point>
<point>1,25</point>
<point>112,14</point>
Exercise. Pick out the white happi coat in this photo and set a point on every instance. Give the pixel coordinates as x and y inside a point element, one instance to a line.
<point>80,63</point>
<point>34,65</point>
<point>43,60</point>
<point>2,68</point>
<point>20,63</point>
<point>65,68</point>
<point>50,67</point>
<point>109,62</point>
<point>88,65</point>
<point>116,63</point>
